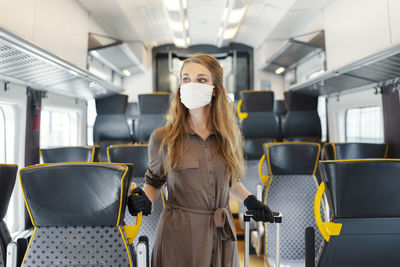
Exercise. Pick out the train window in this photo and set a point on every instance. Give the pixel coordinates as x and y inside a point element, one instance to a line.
<point>58,127</point>
<point>364,125</point>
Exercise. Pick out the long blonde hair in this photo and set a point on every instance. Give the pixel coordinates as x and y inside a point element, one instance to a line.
<point>229,137</point>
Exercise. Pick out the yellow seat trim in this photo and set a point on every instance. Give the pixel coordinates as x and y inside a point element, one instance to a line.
<point>126,246</point>
<point>241,115</point>
<point>131,231</point>
<point>327,229</point>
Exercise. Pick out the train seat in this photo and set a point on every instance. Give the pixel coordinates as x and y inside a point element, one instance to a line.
<point>259,125</point>
<point>302,122</point>
<point>8,174</point>
<point>258,121</point>
<point>138,155</point>
<point>153,109</point>
<point>338,151</point>
<point>77,210</point>
<point>290,186</point>
<point>364,229</point>
<point>111,126</point>
<point>69,154</point>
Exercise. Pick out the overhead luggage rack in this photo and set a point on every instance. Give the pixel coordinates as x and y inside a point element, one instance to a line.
<point>25,63</point>
<point>293,51</point>
<point>379,69</point>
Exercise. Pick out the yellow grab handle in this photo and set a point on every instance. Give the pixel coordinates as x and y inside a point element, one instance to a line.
<point>241,115</point>
<point>131,231</point>
<point>264,178</point>
<point>326,228</point>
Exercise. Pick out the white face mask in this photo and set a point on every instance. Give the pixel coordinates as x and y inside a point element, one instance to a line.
<point>196,95</point>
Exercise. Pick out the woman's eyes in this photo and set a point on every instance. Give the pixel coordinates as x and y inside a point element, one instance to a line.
<point>200,80</point>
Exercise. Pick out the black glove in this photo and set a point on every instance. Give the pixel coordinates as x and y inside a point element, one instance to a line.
<point>139,203</point>
<point>262,212</point>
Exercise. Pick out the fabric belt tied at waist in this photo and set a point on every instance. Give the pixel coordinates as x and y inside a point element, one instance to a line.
<point>222,220</point>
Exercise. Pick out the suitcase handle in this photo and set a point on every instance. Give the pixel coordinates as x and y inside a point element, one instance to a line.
<point>246,217</point>
<point>250,213</point>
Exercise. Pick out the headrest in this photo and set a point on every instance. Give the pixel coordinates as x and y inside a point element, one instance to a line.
<point>146,124</point>
<point>115,104</point>
<point>261,125</point>
<point>111,127</point>
<point>297,101</point>
<point>69,154</point>
<point>156,103</point>
<point>301,124</point>
<point>132,111</point>
<point>366,188</point>
<point>75,194</point>
<point>8,174</point>
<point>292,158</point>
<point>257,101</point>
<point>280,107</point>
<point>136,154</point>
<point>335,151</point>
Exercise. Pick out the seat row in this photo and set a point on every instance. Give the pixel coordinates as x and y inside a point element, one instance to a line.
<point>264,120</point>
<point>289,185</point>
<point>80,201</point>
<point>120,122</point>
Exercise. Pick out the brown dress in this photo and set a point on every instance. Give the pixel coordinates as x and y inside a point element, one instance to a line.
<point>196,228</point>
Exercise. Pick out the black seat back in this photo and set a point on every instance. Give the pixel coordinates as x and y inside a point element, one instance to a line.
<point>302,122</point>
<point>363,196</point>
<point>261,125</point>
<point>338,151</point>
<point>69,154</point>
<point>7,181</point>
<point>77,210</point>
<point>111,126</point>
<point>153,109</point>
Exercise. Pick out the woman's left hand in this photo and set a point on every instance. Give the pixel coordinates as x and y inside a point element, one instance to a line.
<point>262,211</point>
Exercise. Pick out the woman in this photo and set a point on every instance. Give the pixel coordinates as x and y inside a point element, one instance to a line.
<point>199,153</point>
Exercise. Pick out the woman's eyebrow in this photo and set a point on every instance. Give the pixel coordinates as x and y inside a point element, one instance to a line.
<point>201,74</point>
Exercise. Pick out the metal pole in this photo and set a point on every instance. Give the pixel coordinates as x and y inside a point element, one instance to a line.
<point>246,243</point>
<point>277,255</point>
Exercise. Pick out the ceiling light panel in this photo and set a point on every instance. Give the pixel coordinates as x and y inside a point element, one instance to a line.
<point>204,18</point>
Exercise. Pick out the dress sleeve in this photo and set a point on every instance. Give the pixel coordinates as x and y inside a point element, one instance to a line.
<point>155,172</point>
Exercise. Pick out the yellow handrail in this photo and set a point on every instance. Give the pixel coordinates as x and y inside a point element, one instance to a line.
<point>241,115</point>
<point>327,229</point>
<point>131,231</point>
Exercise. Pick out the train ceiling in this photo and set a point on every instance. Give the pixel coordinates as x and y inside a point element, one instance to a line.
<point>214,22</point>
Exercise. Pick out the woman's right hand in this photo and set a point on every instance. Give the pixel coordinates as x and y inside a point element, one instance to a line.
<point>138,202</point>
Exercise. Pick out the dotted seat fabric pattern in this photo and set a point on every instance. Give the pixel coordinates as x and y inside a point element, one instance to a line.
<point>77,246</point>
<point>293,196</point>
<point>149,223</point>
<point>2,264</point>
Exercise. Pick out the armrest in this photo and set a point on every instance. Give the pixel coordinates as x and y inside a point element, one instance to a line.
<point>16,249</point>
<point>327,229</point>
